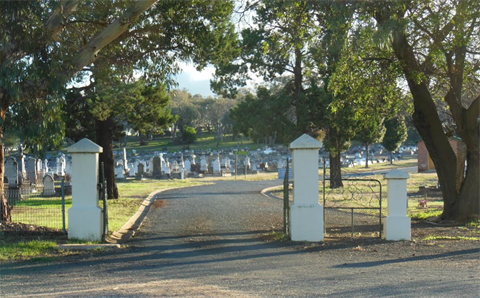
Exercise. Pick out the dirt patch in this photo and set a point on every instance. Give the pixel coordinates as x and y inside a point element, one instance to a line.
<point>429,242</point>
<point>159,204</point>
<point>19,231</point>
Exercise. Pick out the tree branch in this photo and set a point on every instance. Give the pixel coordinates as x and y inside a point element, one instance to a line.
<point>89,53</point>
<point>56,21</point>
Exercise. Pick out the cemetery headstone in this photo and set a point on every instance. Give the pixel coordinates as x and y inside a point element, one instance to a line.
<point>216,166</point>
<point>119,172</point>
<point>188,166</point>
<point>203,164</point>
<point>21,165</point>
<point>48,185</point>
<point>45,166</point>
<point>156,171</point>
<point>32,170</point>
<point>140,170</point>
<point>11,171</point>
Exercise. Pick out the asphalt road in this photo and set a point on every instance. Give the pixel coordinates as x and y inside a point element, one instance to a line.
<point>209,241</point>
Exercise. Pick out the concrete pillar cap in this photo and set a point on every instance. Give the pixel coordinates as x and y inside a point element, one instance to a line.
<point>397,174</point>
<point>305,142</point>
<point>85,146</point>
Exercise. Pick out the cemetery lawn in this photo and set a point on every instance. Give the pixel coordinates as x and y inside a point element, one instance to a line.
<point>204,142</point>
<point>23,247</point>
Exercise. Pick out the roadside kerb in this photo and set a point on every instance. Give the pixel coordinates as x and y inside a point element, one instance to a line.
<point>129,229</point>
<point>126,231</point>
<point>266,191</point>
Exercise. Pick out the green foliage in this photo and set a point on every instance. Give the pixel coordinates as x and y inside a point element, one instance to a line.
<point>189,135</point>
<point>370,129</point>
<point>38,123</point>
<point>264,116</point>
<point>395,134</point>
<point>150,113</point>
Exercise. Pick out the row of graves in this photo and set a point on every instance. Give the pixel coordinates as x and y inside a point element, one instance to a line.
<point>160,165</point>
<point>26,175</point>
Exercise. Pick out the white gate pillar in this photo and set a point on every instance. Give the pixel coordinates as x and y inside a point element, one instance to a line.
<point>85,220</point>
<point>397,225</point>
<point>306,213</point>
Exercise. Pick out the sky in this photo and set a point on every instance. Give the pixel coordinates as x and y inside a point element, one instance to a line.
<point>199,82</point>
<point>196,82</point>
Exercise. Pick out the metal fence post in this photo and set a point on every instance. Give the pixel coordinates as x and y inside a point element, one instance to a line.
<point>64,225</point>
<point>286,200</point>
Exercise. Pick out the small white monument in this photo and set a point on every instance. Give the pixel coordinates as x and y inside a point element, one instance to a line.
<point>85,220</point>
<point>203,164</point>
<point>120,171</point>
<point>397,225</point>
<point>188,166</point>
<point>216,166</point>
<point>306,213</point>
<point>48,185</point>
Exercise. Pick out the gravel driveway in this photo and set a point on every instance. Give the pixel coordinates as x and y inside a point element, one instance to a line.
<point>216,241</point>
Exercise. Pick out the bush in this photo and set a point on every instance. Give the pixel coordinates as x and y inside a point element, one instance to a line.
<point>189,135</point>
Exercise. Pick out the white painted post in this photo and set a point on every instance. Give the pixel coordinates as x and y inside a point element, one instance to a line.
<point>85,220</point>
<point>397,225</point>
<point>306,213</point>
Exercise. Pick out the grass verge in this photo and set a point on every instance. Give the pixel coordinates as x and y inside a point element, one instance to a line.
<point>27,250</point>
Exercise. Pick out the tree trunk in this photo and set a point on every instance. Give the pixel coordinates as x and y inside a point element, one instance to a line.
<point>391,157</point>
<point>430,129</point>
<point>105,140</point>
<point>335,170</point>
<point>5,208</point>
<point>469,201</point>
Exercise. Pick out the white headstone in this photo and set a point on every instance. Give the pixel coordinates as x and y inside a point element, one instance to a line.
<point>45,166</point>
<point>216,166</point>
<point>125,160</point>
<point>131,169</point>
<point>188,166</point>
<point>246,162</point>
<point>228,163</point>
<point>48,185</point>
<point>119,172</point>
<point>203,164</point>
<point>68,167</point>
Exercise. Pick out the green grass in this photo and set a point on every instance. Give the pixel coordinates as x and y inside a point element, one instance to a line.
<point>451,238</point>
<point>40,211</point>
<point>204,141</point>
<point>423,215</point>
<point>474,223</point>
<point>405,162</point>
<point>27,250</point>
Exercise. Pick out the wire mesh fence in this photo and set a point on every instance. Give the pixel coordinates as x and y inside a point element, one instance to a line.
<point>33,209</point>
